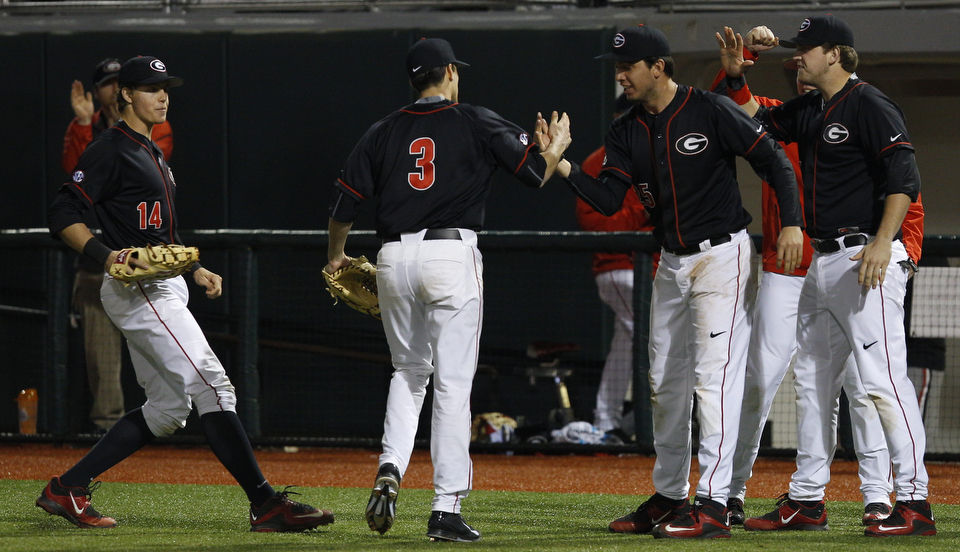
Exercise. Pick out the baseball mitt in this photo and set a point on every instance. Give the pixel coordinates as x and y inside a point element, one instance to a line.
<point>355,284</point>
<point>165,261</point>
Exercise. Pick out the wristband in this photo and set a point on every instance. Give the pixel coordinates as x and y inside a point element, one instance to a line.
<point>95,249</point>
<point>738,91</point>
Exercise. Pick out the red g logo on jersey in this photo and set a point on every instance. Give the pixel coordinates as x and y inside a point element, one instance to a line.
<point>835,133</point>
<point>692,144</point>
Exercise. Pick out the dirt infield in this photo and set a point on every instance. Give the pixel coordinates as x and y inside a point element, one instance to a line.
<point>326,467</point>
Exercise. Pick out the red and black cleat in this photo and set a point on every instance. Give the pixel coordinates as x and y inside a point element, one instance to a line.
<point>705,519</point>
<point>909,517</point>
<point>791,515</point>
<point>656,509</point>
<point>73,504</point>
<point>875,512</point>
<point>280,514</point>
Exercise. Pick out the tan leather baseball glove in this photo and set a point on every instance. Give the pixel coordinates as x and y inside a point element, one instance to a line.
<point>165,261</point>
<point>356,285</point>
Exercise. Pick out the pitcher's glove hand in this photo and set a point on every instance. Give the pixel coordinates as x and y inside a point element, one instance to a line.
<point>163,261</point>
<point>355,284</point>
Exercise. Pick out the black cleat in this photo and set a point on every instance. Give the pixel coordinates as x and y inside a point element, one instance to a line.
<point>735,507</point>
<point>382,506</point>
<point>447,526</point>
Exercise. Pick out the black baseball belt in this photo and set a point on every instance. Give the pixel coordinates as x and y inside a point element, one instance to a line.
<point>431,234</point>
<point>832,245</point>
<point>714,241</point>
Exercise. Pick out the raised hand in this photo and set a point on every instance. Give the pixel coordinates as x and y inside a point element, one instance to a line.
<point>542,132</point>
<point>82,103</point>
<point>760,39</point>
<point>731,53</point>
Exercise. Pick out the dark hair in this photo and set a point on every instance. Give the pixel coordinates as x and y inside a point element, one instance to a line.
<point>849,59</point>
<point>428,78</point>
<point>667,63</point>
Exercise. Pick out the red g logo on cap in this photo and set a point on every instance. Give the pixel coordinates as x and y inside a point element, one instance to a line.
<point>158,66</point>
<point>619,40</point>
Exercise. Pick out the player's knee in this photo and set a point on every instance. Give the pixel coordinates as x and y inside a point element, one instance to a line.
<point>165,422</point>
<point>416,369</point>
<point>219,399</point>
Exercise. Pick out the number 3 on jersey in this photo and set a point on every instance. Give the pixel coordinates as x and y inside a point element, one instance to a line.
<point>424,151</point>
<point>154,219</point>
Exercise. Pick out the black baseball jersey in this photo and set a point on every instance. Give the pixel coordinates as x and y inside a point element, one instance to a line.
<point>429,164</point>
<point>682,163</point>
<point>854,151</point>
<point>121,175</point>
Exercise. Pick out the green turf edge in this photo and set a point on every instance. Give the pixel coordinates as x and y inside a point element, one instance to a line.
<point>157,517</point>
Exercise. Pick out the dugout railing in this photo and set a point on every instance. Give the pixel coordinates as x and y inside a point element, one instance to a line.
<point>309,373</point>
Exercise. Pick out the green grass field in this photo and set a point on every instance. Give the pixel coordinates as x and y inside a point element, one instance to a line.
<point>214,517</point>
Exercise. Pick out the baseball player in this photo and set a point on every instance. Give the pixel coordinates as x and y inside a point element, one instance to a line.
<point>87,124</point>
<point>123,177</point>
<point>613,272</point>
<point>676,146</point>
<point>773,340</point>
<point>860,177</point>
<point>429,164</point>
<point>102,341</point>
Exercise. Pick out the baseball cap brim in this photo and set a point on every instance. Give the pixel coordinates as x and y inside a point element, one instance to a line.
<point>794,42</point>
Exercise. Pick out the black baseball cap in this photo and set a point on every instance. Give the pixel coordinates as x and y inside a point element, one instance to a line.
<point>106,70</point>
<point>146,70</point>
<point>821,29</point>
<point>636,43</point>
<point>427,53</point>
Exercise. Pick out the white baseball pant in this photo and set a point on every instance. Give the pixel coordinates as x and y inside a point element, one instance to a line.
<point>773,344</point>
<point>615,288</point>
<point>431,304</point>
<point>836,315</point>
<point>699,333</point>
<point>173,361</point>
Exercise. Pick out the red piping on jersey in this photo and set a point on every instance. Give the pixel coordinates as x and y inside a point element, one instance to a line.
<point>757,141</point>
<point>83,192</point>
<point>673,188</point>
<point>616,169</point>
<point>358,194</point>
<point>429,112</point>
<point>816,153</point>
<point>895,144</point>
<point>522,161</point>
<point>906,422</point>
<point>733,321</point>
<point>166,186</point>
<point>177,341</point>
